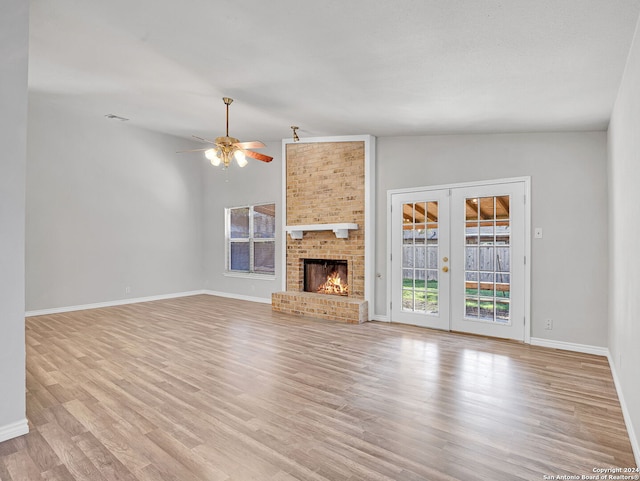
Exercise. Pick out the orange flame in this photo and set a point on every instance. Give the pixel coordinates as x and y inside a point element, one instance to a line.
<point>334,285</point>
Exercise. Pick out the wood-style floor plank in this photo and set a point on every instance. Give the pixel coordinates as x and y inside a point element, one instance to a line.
<point>210,389</point>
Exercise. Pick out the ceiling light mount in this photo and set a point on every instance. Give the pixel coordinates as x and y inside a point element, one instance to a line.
<point>295,134</point>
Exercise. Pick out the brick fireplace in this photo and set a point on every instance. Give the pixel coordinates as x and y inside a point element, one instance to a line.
<point>326,223</point>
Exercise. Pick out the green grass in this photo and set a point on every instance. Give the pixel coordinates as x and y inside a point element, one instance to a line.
<point>407,283</point>
<point>430,295</point>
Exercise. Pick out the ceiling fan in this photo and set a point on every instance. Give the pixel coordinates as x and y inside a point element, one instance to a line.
<point>227,148</point>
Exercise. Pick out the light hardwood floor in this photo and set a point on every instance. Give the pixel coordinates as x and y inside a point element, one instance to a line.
<point>206,388</point>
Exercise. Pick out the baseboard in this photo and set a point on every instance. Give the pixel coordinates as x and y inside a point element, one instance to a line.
<point>625,411</point>
<point>120,302</point>
<point>14,430</point>
<point>378,317</point>
<point>241,297</point>
<point>570,346</point>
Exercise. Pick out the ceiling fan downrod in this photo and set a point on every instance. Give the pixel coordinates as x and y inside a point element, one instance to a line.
<point>227,101</point>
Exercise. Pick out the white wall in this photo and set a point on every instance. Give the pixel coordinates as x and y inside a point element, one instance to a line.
<point>569,201</point>
<point>624,212</point>
<point>14,36</point>
<point>109,206</point>
<point>256,183</point>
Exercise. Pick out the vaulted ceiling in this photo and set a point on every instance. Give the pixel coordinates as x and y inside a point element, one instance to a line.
<point>402,67</point>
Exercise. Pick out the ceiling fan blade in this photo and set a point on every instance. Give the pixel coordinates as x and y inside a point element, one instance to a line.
<point>203,140</point>
<point>254,144</point>
<point>192,150</point>
<point>258,156</point>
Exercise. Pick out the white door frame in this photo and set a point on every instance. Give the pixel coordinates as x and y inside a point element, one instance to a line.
<point>527,237</point>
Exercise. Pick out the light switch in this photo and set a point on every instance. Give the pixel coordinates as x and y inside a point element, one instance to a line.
<point>538,233</point>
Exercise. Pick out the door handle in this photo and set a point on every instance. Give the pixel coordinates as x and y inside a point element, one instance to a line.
<point>445,269</point>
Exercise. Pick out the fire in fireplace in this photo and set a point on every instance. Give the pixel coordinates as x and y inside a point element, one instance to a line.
<point>326,276</point>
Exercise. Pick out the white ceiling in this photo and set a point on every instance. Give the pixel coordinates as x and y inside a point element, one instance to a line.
<point>335,67</point>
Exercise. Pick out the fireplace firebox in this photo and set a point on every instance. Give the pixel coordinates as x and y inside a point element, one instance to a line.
<point>326,276</point>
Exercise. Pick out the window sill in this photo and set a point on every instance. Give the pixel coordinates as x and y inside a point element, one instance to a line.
<point>249,275</point>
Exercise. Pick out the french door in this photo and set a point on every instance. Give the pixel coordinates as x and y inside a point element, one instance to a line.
<point>458,259</point>
<point>420,240</point>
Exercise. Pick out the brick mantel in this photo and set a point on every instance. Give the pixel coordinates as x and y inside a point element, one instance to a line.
<point>328,182</point>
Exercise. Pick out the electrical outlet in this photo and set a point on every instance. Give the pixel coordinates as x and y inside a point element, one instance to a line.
<point>548,325</point>
<point>127,290</point>
<point>537,233</point>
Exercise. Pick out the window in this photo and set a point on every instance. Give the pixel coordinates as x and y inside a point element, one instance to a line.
<point>251,243</point>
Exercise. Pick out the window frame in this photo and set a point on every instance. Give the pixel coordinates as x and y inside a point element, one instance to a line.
<point>251,240</point>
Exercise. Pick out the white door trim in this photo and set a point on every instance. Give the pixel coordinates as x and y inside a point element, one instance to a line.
<point>527,237</point>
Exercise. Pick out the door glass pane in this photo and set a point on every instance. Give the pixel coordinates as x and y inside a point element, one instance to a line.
<point>487,233</point>
<point>503,233</point>
<point>407,214</point>
<point>486,284</point>
<point>407,299</point>
<point>407,256</point>
<point>471,283</point>
<point>420,253</point>
<point>486,309</point>
<point>502,207</point>
<point>502,311</point>
<point>420,257</point>
<point>419,286</point>
<point>432,257</point>
<point>471,209</point>
<point>432,279</point>
<point>432,291</point>
<point>487,259</point>
<point>471,263</point>
<point>432,212</point>
<point>503,286</point>
<point>420,211</point>
<point>432,301</point>
<point>432,234</point>
<point>502,259</point>
<point>471,308</point>
<point>486,208</point>
<point>407,234</point>
<point>471,233</point>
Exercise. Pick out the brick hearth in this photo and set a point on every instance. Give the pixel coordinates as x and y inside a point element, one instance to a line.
<point>336,308</point>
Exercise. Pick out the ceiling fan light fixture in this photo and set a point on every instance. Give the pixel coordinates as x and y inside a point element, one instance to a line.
<point>226,148</point>
<point>241,159</point>
<point>213,155</point>
<point>210,154</point>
